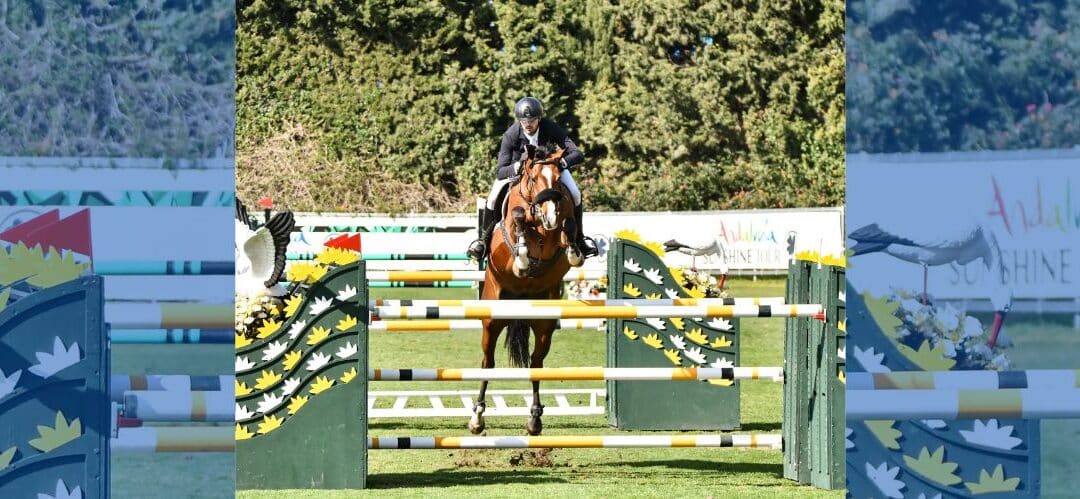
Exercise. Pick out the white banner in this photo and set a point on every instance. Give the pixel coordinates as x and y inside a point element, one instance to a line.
<point>1022,199</point>
<point>752,241</point>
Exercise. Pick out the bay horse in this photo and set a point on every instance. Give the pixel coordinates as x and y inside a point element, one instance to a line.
<point>531,251</point>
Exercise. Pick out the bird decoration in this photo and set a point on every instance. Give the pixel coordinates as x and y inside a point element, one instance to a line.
<point>941,243</point>
<point>701,247</point>
<point>260,264</point>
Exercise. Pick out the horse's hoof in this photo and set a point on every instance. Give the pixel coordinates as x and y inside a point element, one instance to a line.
<point>476,426</point>
<point>534,427</point>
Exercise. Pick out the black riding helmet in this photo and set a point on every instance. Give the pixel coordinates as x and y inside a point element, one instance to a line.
<point>528,108</point>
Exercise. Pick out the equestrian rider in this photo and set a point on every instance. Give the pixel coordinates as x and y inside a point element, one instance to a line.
<point>530,127</point>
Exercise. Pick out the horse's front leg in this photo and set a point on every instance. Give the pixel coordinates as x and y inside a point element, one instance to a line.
<point>490,338</point>
<point>543,332</point>
<point>521,249</point>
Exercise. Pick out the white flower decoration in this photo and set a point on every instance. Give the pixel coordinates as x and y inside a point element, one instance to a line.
<point>656,323</point>
<point>269,402</point>
<point>243,413</point>
<point>720,323</point>
<point>347,351</point>
<point>631,265</point>
<point>320,305</point>
<point>989,434</point>
<point>678,341</point>
<point>871,361</point>
<point>722,362</point>
<point>273,350</point>
<point>8,383</point>
<point>318,360</point>
<point>60,358</point>
<point>885,479</point>
<point>296,329</point>
<point>243,364</point>
<point>695,355</point>
<point>654,276</point>
<point>346,293</point>
<point>290,386</point>
<point>62,492</point>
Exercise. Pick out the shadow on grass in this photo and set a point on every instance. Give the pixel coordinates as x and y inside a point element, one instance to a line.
<point>711,466</point>
<point>761,427</point>
<point>455,478</point>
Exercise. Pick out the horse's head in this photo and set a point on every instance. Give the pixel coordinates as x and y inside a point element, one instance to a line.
<point>542,188</point>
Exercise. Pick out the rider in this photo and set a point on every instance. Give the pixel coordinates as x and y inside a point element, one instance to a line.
<point>530,127</point>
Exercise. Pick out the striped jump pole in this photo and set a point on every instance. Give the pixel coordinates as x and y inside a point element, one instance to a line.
<point>579,374</point>
<point>385,257</point>
<point>509,310</point>
<point>402,326</point>
<point>766,440</point>
<point>169,315</point>
<point>1014,403</point>
<point>631,302</point>
<point>1055,379</point>
<point>435,284</point>
<point>163,267</point>
<point>174,439</point>
<point>174,405</point>
<point>463,275</point>
<point>120,383</point>
<point>164,336</point>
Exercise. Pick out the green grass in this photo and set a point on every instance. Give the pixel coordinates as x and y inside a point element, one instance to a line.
<point>565,472</point>
<point>1042,345</point>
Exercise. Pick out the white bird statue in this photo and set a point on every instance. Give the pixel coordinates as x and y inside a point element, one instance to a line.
<point>260,253</point>
<point>933,244</point>
<point>701,246</point>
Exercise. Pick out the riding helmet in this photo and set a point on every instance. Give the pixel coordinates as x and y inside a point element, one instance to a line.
<point>528,108</point>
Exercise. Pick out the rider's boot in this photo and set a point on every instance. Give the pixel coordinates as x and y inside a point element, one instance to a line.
<point>478,249</point>
<point>586,250</point>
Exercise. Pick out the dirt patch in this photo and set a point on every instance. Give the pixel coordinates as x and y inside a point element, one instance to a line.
<point>540,458</point>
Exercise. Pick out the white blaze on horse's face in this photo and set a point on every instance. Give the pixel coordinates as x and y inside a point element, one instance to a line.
<point>550,209</point>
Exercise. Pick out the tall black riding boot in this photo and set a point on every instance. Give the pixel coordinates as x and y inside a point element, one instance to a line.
<point>478,248</point>
<point>586,250</point>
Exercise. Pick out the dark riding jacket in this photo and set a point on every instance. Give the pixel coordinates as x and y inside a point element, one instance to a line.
<point>514,141</point>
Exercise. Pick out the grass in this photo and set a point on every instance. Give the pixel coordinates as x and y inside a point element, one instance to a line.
<point>1048,345</point>
<point>565,472</point>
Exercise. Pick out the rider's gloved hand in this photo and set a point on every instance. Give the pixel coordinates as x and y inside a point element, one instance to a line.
<point>517,168</point>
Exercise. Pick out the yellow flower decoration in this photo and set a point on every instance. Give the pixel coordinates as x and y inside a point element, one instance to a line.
<point>296,403</point>
<point>241,388</point>
<point>348,375</point>
<point>267,379</point>
<point>242,341</point>
<point>321,385</point>
<point>292,303</point>
<point>269,424</point>
<point>318,334</point>
<point>291,359</point>
<point>242,433</point>
<point>631,290</point>
<point>347,323</point>
<point>269,327</point>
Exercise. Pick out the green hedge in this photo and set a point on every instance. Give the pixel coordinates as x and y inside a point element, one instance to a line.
<point>676,105</point>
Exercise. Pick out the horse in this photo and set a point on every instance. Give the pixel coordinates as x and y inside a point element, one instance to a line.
<point>530,252</point>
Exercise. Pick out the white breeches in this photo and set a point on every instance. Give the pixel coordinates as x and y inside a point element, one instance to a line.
<point>568,181</point>
<point>565,177</point>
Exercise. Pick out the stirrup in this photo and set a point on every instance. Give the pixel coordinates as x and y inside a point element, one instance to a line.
<point>477,249</point>
<point>587,247</point>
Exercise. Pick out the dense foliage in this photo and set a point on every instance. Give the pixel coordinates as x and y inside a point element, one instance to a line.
<point>677,105</point>
<point>118,78</point>
<point>934,76</point>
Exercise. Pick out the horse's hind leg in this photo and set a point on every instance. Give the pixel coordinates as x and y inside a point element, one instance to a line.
<point>490,339</point>
<point>543,332</point>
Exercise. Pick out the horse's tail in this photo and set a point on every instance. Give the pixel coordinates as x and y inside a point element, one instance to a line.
<point>517,343</point>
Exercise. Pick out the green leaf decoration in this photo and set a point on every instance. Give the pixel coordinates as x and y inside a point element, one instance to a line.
<point>934,467</point>
<point>6,457</point>
<point>993,483</point>
<point>885,433</point>
<point>63,433</point>
<point>56,269</point>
